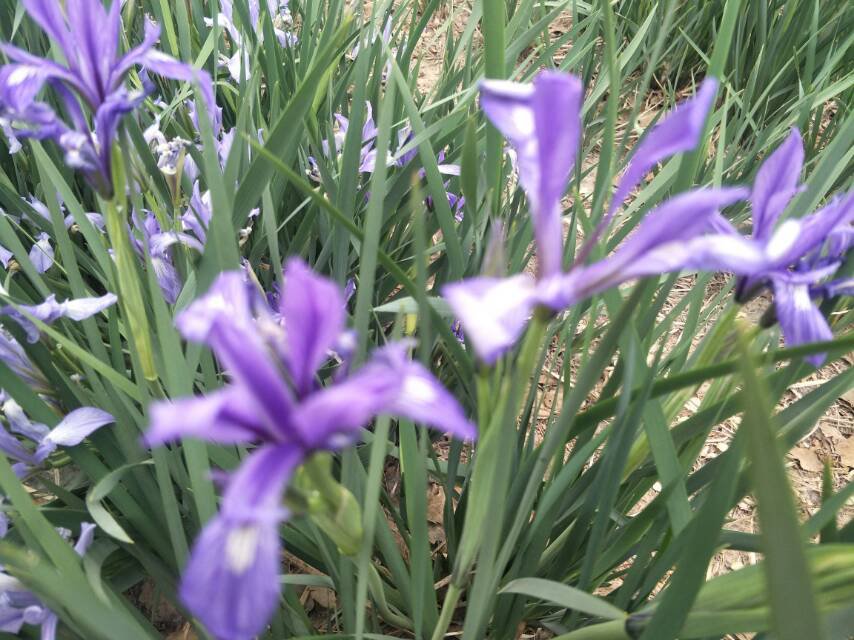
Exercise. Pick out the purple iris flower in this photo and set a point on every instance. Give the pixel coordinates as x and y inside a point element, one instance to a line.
<point>282,20</point>
<point>368,152</point>
<point>159,244</point>
<point>71,431</point>
<point>12,354</point>
<point>542,121</point>
<point>93,75</point>
<point>795,257</point>
<point>41,253</point>
<point>275,400</point>
<point>50,311</point>
<point>19,606</point>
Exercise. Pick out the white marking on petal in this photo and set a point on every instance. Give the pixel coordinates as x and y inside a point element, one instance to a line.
<point>783,239</point>
<point>801,298</point>
<point>21,74</point>
<point>240,548</point>
<point>523,118</point>
<point>417,389</point>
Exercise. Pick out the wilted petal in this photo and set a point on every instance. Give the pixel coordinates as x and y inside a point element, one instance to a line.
<point>775,184</point>
<point>800,320</point>
<point>227,416</point>
<point>543,124</point>
<point>678,131</point>
<point>231,582</point>
<point>84,540</point>
<point>493,311</point>
<point>313,311</point>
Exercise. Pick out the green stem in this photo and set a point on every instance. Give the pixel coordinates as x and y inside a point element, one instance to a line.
<point>494,52</point>
<point>448,608</point>
<point>612,630</point>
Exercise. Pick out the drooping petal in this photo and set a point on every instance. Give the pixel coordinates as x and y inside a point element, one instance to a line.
<point>73,429</point>
<point>421,397</point>
<point>677,132</point>
<point>493,311</point>
<point>41,253</point>
<point>801,321</point>
<point>775,184</point>
<point>660,243</point>
<point>796,238</point>
<point>330,418</point>
<point>169,67</point>
<point>5,256</point>
<point>543,124</point>
<point>231,582</point>
<point>313,311</point>
<point>82,308</point>
<point>227,416</point>
<point>84,540</point>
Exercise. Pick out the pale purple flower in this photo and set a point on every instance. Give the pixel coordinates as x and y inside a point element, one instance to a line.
<point>19,606</point>
<point>231,581</point>
<point>797,256</point>
<point>93,75</point>
<point>5,256</point>
<point>41,253</point>
<point>279,13</point>
<point>542,121</point>
<point>12,354</point>
<point>71,431</point>
<point>50,311</point>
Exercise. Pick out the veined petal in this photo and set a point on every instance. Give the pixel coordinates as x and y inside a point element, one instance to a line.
<point>313,311</point>
<point>660,242</point>
<point>421,397</point>
<point>543,124</point>
<point>41,253</point>
<point>82,308</point>
<point>227,416</point>
<point>231,582</point>
<point>223,319</point>
<point>79,424</point>
<point>169,67</point>
<point>330,417</point>
<point>796,238</point>
<point>775,184</point>
<point>493,311</point>
<point>800,320</point>
<point>48,15</point>
<point>678,131</point>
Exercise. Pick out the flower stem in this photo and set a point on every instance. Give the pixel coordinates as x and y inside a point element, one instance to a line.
<point>448,608</point>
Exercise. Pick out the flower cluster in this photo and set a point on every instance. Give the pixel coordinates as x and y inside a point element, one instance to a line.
<point>542,121</point>
<point>276,400</point>
<point>20,606</point>
<point>94,75</point>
